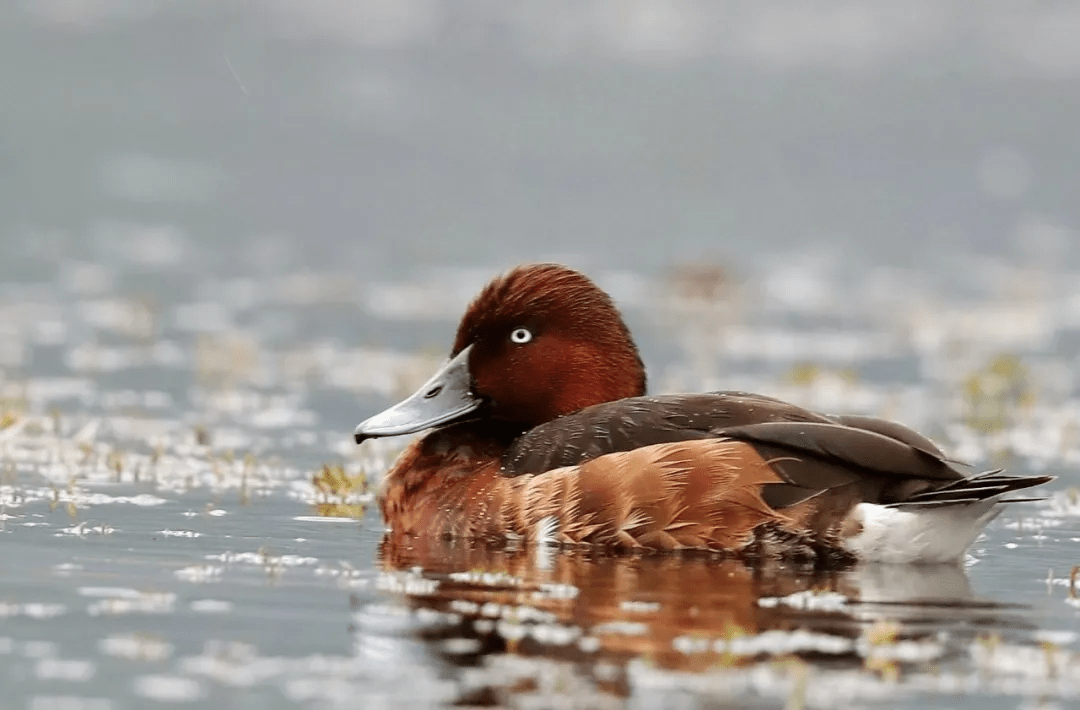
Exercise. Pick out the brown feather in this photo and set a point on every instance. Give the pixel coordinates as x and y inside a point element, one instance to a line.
<point>695,494</point>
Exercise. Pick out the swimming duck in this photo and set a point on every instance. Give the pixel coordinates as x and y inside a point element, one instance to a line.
<point>542,432</point>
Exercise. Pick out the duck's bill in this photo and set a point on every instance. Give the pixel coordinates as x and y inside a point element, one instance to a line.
<point>445,398</point>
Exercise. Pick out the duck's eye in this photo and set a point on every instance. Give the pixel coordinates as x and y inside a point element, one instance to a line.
<point>521,336</point>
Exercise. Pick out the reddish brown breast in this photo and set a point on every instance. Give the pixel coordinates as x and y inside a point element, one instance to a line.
<point>446,484</point>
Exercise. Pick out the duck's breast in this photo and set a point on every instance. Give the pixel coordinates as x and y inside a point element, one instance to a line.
<point>445,485</point>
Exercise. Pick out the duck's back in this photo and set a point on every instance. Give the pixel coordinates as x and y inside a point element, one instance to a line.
<point>810,452</point>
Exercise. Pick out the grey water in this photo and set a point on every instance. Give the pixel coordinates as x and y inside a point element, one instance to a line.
<point>230,231</point>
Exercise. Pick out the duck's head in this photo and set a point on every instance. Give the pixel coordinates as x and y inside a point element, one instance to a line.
<point>538,342</point>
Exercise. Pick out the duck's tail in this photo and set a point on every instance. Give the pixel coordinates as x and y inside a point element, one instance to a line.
<point>935,526</point>
<point>985,487</point>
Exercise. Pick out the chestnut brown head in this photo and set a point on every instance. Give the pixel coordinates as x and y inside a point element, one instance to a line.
<point>538,342</point>
<point>546,341</point>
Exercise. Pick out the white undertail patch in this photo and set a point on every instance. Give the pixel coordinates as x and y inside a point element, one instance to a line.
<point>919,535</point>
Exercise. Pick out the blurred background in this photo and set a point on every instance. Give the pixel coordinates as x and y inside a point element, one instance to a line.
<point>231,230</point>
<point>388,136</point>
<point>304,195</point>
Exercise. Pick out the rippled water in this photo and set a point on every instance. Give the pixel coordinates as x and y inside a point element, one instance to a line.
<point>231,231</point>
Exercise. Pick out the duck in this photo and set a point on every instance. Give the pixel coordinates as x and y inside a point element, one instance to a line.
<point>540,431</point>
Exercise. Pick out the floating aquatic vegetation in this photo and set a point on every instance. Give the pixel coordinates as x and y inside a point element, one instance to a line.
<point>9,418</point>
<point>703,281</point>
<point>339,493</point>
<point>332,480</point>
<point>994,393</point>
<point>805,374</point>
<point>223,361</point>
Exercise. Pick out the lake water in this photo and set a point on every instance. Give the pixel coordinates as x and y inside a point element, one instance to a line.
<point>229,232</point>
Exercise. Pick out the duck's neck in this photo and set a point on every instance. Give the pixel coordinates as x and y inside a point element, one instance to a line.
<point>460,447</point>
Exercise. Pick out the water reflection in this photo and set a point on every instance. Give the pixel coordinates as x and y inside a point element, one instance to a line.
<point>601,614</point>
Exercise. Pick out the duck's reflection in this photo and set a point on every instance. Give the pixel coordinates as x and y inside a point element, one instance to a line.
<point>679,612</point>
<point>615,605</point>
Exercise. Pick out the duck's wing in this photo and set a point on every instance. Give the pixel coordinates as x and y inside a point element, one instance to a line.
<point>812,457</point>
<point>883,462</point>
<point>629,424</point>
<point>890,429</point>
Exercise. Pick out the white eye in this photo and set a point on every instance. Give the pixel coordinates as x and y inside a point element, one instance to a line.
<point>520,336</point>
